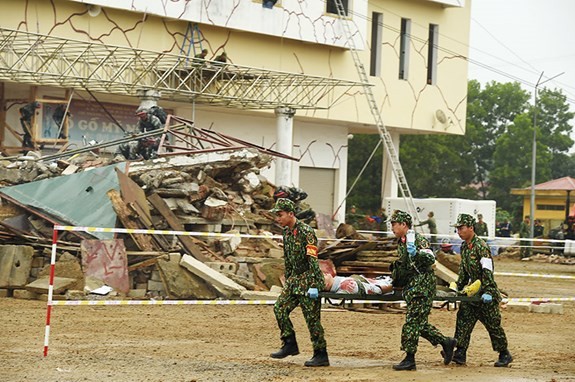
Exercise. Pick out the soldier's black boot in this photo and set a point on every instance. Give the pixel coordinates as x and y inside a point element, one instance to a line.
<point>319,358</point>
<point>448,346</point>
<point>289,347</point>
<point>408,363</point>
<point>504,359</point>
<point>460,356</point>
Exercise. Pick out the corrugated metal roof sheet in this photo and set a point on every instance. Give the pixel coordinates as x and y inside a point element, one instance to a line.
<point>77,199</point>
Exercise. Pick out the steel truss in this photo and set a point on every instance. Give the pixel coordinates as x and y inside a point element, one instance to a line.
<point>44,60</point>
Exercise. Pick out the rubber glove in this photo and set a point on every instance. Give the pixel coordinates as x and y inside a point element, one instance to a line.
<point>453,286</point>
<point>472,289</point>
<point>313,293</point>
<point>411,249</point>
<point>486,298</point>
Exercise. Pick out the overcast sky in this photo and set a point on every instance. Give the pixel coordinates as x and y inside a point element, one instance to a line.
<point>516,40</point>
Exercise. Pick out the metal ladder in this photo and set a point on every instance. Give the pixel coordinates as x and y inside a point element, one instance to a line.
<point>383,133</point>
<point>191,39</point>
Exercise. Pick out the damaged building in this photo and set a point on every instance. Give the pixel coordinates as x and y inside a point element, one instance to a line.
<point>280,109</point>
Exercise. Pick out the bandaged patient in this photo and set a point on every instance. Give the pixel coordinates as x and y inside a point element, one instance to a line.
<point>357,284</point>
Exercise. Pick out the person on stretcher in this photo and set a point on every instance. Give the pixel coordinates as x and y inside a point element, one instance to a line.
<point>357,284</point>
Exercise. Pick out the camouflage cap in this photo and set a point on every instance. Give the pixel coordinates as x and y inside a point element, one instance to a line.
<point>399,216</point>
<point>464,219</point>
<point>283,204</point>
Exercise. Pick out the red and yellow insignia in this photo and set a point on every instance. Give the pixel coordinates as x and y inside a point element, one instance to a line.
<point>311,250</point>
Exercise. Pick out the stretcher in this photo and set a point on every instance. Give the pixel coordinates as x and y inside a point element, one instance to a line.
<point>339,299</point>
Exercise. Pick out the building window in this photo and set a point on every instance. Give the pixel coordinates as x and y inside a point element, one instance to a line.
<point>550,207</point>
<point>405,35</point>
<point>432,54</point>
<point>376,41</point>
<point>331,7</point>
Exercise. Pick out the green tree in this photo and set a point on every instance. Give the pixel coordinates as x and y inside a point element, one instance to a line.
<point>513,163</point>
<point>553,117</point>
<point>366,194</point>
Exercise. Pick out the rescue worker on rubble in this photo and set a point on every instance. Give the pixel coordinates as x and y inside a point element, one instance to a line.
<point>145,148</point>
<point>303,281</point>
<point>26,113</point>
<point>412,271</point>
<point>476,277</point>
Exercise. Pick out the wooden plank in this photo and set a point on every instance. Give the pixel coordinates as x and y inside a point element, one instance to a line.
<point>186,241</point>
<point>144,242</point>
<point>144,264</point>
<point>135,198</point>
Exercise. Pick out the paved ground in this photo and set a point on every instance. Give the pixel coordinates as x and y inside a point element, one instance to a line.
<point>232,343</point>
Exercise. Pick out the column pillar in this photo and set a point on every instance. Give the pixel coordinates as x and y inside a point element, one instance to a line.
<point>284,134</point>
<point>148,98</point>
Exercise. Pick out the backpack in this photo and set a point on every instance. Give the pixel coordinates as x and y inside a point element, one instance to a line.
<point>160,113</point>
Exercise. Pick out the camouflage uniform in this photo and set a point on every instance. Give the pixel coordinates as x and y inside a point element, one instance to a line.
<point>525,232</point>
<point>301,272</point>
<point>477,264</point>
<point>481,229</point>
<point>416,277</point>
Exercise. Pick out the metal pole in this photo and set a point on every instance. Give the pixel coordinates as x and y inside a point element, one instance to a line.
<point>534,154</point>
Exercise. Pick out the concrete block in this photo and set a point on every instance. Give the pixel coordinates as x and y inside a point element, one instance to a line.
<point>156,275</point>
<point>555,308</point>
<point>276,253</point>
<point>519,306</point>
<point>55,297</point>
<point>258,295</point>
<point>155,285</point>
<point>4,293</point>
<point>15,265</point>
<point>38,262</point>
<point>142,286</point>
<point>276,289</point>
<point>137,293</point>
<point>222,266</point>
<point>540,308</point>
<point>24,294</point>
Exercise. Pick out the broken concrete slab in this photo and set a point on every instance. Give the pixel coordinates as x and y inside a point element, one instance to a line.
<point>42,285</point>
<point>259,295</point>
<point>226,287</point>
<point>444,273</point>
<point>15,265</point>
<point>180,283</point>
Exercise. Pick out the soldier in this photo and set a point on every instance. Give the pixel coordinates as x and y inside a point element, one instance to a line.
<point>432,225</point>
<point>303,281</point>
<point>223,58</point>
<point>525,232</point>
<point>412,271</point>
<point>476,268</point>
<point>481,227</point>
<point>202,55</point>
<point>26,113</point>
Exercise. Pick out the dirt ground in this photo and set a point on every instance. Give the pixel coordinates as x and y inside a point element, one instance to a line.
<point>232,342</point>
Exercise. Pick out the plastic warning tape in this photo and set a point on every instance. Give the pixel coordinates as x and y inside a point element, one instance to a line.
<point>257,302</point>
<point>542,275</point>
<point>538,299</point>
<point>161,232</point>
<point>164,302</point>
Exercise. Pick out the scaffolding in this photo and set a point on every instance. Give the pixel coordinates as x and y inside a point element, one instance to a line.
<point>44,60</point>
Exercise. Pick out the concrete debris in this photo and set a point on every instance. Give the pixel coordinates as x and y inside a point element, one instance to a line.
<point>216,192</point>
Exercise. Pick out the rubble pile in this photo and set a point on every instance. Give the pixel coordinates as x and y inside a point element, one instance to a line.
<point>221,193</point>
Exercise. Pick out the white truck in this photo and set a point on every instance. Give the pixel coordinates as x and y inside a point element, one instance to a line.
<point>445,212</point>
